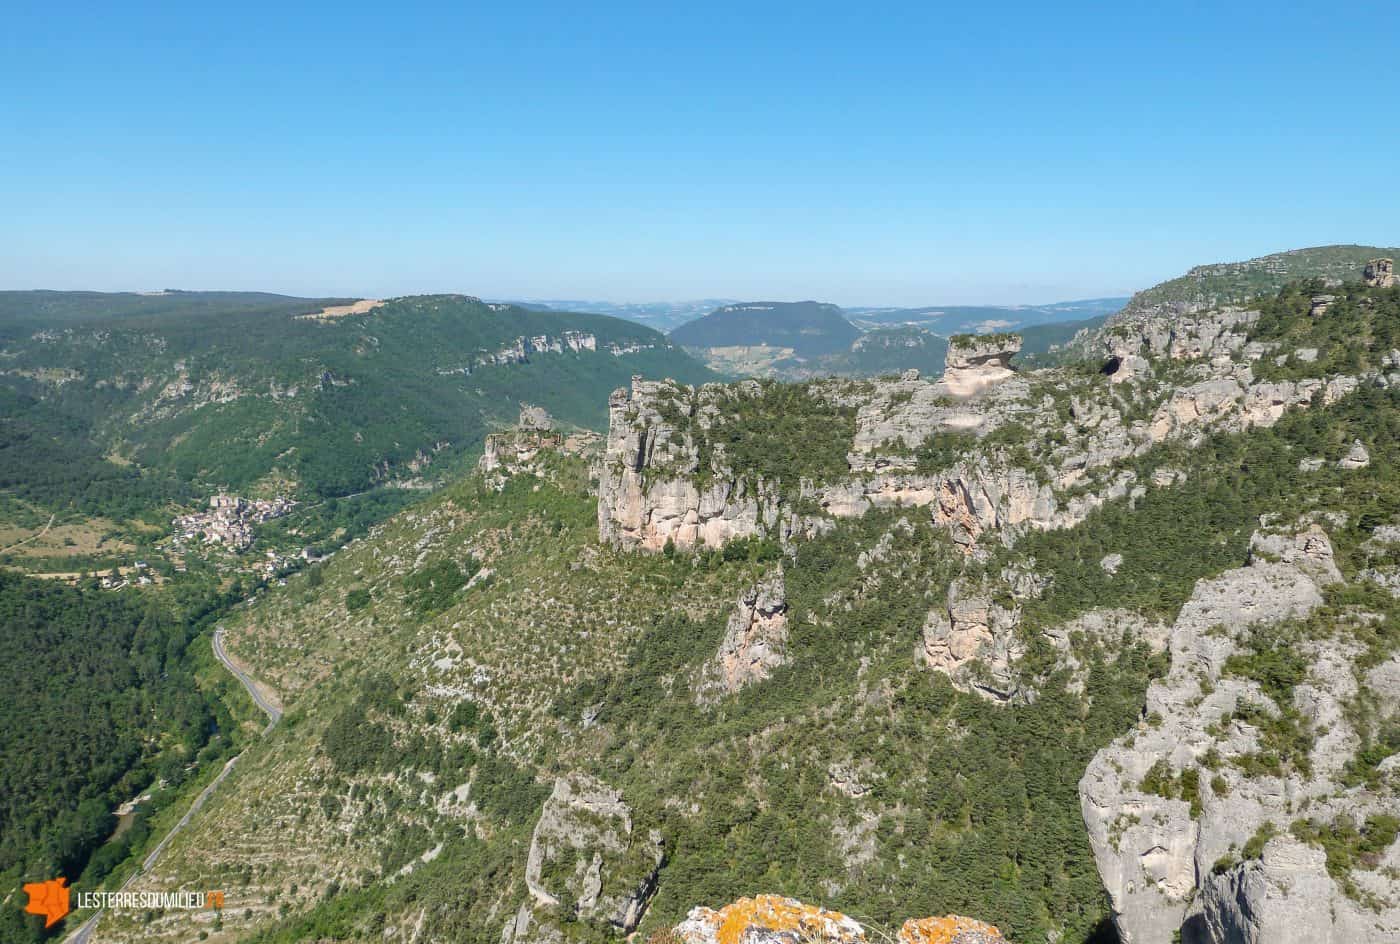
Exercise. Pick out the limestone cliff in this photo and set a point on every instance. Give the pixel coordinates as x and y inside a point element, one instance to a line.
<point>973,641</point>
<point>1177,377</point>
<point>1207,778</point>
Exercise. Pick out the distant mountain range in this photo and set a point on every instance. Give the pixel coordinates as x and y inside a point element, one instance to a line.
<point>810,329</point>
<point>801,339</point>
<point>982,319</point>
<point>941,319</point>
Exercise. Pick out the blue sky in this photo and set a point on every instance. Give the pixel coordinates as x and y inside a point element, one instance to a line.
<point>905,154</point>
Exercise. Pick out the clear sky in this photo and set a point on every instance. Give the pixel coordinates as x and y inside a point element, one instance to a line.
<point>857,153</point>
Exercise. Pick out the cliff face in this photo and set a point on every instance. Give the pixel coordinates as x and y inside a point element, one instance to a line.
<point>1182,377</point>
<point>649,492</point>
<point>1224,764</point>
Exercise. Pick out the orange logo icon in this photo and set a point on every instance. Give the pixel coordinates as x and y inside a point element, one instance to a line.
<point>49,899</point>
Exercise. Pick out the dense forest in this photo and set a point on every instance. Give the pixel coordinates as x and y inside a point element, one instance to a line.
<point>97,704</point>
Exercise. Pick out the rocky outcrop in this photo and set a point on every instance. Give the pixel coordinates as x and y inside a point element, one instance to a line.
<point>649,490</point>
<point>1105,628</point>
<point>652,489</point>
<point>973,641</point>
<point>519,450</point>
<point>755,642</point>
<point>898,416</point>
<point>1283,897</point>
<point>770,919</point>
<point>584,858</point>
<point>1356,458</point>
<point>1380,273</point>
<point>971,498</point>
<point>1170,805</point>
<point>975,362</point>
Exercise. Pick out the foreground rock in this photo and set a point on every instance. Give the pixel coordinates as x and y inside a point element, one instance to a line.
<point>1190,815</point>
<point>585,859</point>
<point>771,919</point>
<point>950,929</point>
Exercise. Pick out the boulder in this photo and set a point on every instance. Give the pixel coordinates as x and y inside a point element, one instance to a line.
<point>769,919</point>
<point>949,929</point>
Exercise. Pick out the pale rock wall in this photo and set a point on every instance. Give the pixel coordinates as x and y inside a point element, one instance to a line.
<point>754,644</point>
<point>974,642</point>
<point>586,828</point>
<point>1155,857</point>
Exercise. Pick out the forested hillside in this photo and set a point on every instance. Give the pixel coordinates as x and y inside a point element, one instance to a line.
<point>120,407</point>
<point>99,705</point>
<point>1226,282</point>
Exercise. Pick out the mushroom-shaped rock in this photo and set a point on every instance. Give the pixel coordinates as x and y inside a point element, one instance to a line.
<point>975,362</point>
<point>949,929</point>
<point>769,919</point>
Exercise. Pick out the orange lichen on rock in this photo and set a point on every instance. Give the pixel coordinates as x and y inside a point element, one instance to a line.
<point>767,918</point>
<point>949,929</point>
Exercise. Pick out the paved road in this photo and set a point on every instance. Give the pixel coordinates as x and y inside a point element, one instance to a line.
<point>84,933</point>
<point>274,714</point>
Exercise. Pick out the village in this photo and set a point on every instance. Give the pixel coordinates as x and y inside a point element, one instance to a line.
<point>229,520</point>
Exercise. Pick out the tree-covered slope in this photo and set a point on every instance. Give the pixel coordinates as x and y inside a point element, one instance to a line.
<point>1227,282</point>
<point>223,394</point>
<point>37,310</point>
<point>99,705</point>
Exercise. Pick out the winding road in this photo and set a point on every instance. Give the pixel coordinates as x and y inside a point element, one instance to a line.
<point>274,713</point>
